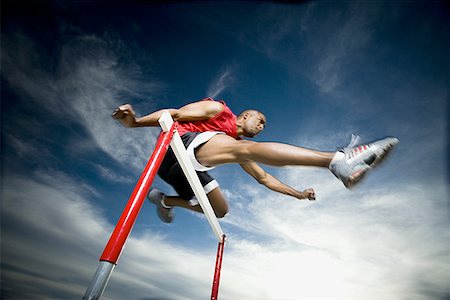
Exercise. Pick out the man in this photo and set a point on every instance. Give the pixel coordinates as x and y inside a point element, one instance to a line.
<point>212,134</point>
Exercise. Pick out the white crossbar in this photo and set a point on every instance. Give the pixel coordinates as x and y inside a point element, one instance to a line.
<point>181,154</point>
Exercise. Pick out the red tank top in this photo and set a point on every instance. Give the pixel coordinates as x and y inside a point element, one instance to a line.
<point>225,121</point>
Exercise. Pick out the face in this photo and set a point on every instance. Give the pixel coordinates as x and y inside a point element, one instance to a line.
<point>253,123</point>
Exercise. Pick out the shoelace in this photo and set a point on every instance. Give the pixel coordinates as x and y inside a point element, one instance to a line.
<point>356,149</point>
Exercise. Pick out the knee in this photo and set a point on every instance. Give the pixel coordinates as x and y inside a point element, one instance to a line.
<point>243,149</point>
<point>221,213</point>
<point>222,210</point>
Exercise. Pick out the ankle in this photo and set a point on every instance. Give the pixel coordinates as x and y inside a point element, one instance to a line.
<point>339,155</point>
<point>163,203</point>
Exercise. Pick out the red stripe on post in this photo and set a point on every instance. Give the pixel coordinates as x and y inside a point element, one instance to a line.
<point>127,219</point>
<point>215,287</point>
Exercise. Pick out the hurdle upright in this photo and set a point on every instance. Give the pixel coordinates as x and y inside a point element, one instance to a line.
<point>116,243</point>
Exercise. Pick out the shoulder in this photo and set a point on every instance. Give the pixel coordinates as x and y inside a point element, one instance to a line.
<point>211,106</point>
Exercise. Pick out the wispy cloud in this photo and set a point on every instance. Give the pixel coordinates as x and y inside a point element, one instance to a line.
<point>330,242</point>
<point>67,234</point>
<point>348,34</point>
<point>111,175</point>
<point>392,228</point>
<point>391,235</point>
<point>89,83</point>
<point>323,42</point>
<point>225,78</point>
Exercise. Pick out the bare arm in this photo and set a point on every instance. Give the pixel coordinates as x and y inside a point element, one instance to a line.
<point>197,111</point>
<point>274,184</point>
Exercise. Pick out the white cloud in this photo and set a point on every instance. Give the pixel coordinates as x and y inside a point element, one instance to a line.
<point>224,79</point>
<point>88,85</point>
<point>323,42</point>
<point>111,175</point>
<point>348,34</point>
<point>365,244</point>
<point>52,238</point>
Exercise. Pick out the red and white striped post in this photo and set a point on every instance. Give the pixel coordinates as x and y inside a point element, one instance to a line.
<point>116,242</point>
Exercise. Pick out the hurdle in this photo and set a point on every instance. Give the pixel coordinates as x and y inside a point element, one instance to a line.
<point>116,242</point>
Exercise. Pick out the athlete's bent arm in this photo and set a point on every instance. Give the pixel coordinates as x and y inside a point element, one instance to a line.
<point>197,111</point>
<point>274,184</point>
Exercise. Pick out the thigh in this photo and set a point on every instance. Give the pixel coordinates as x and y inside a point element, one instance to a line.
<point>222,149</point>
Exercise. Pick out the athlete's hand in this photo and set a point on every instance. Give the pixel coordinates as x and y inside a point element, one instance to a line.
<point>309,194</point>
<point>125,115</point>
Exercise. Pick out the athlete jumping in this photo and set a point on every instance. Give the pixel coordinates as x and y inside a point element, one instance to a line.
<point>212,134</point>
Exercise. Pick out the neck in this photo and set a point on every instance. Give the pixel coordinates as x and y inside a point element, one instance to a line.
<point>239,129</point>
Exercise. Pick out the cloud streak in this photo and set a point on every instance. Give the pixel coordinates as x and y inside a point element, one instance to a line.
<point>323,42</point>
<point>225,78</point>
<point>390,235</point>
<point>279,243</point>
<point>89,84</point>
<point>67,235</point>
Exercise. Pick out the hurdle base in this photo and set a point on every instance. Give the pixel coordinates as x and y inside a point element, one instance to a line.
<point>99,281</point>
<point>217,269</point>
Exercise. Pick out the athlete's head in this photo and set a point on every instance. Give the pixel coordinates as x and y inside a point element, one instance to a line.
<point>251,122</point>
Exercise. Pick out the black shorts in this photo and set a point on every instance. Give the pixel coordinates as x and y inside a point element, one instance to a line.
<point>171,172</point>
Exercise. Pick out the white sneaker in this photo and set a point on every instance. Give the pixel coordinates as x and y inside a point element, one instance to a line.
<point>164,213</point>
<point>351,163</point>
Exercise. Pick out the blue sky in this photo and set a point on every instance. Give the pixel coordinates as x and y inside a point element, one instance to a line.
<point>320,71</point>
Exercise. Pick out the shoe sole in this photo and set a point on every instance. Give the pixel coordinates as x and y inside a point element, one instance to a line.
<point>166,218</point>
<point>386,146</point>
<point>356,177</point>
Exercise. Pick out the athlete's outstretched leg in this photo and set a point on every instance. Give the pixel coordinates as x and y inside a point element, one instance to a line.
<point>222,149</point>
<point>349,164</point>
